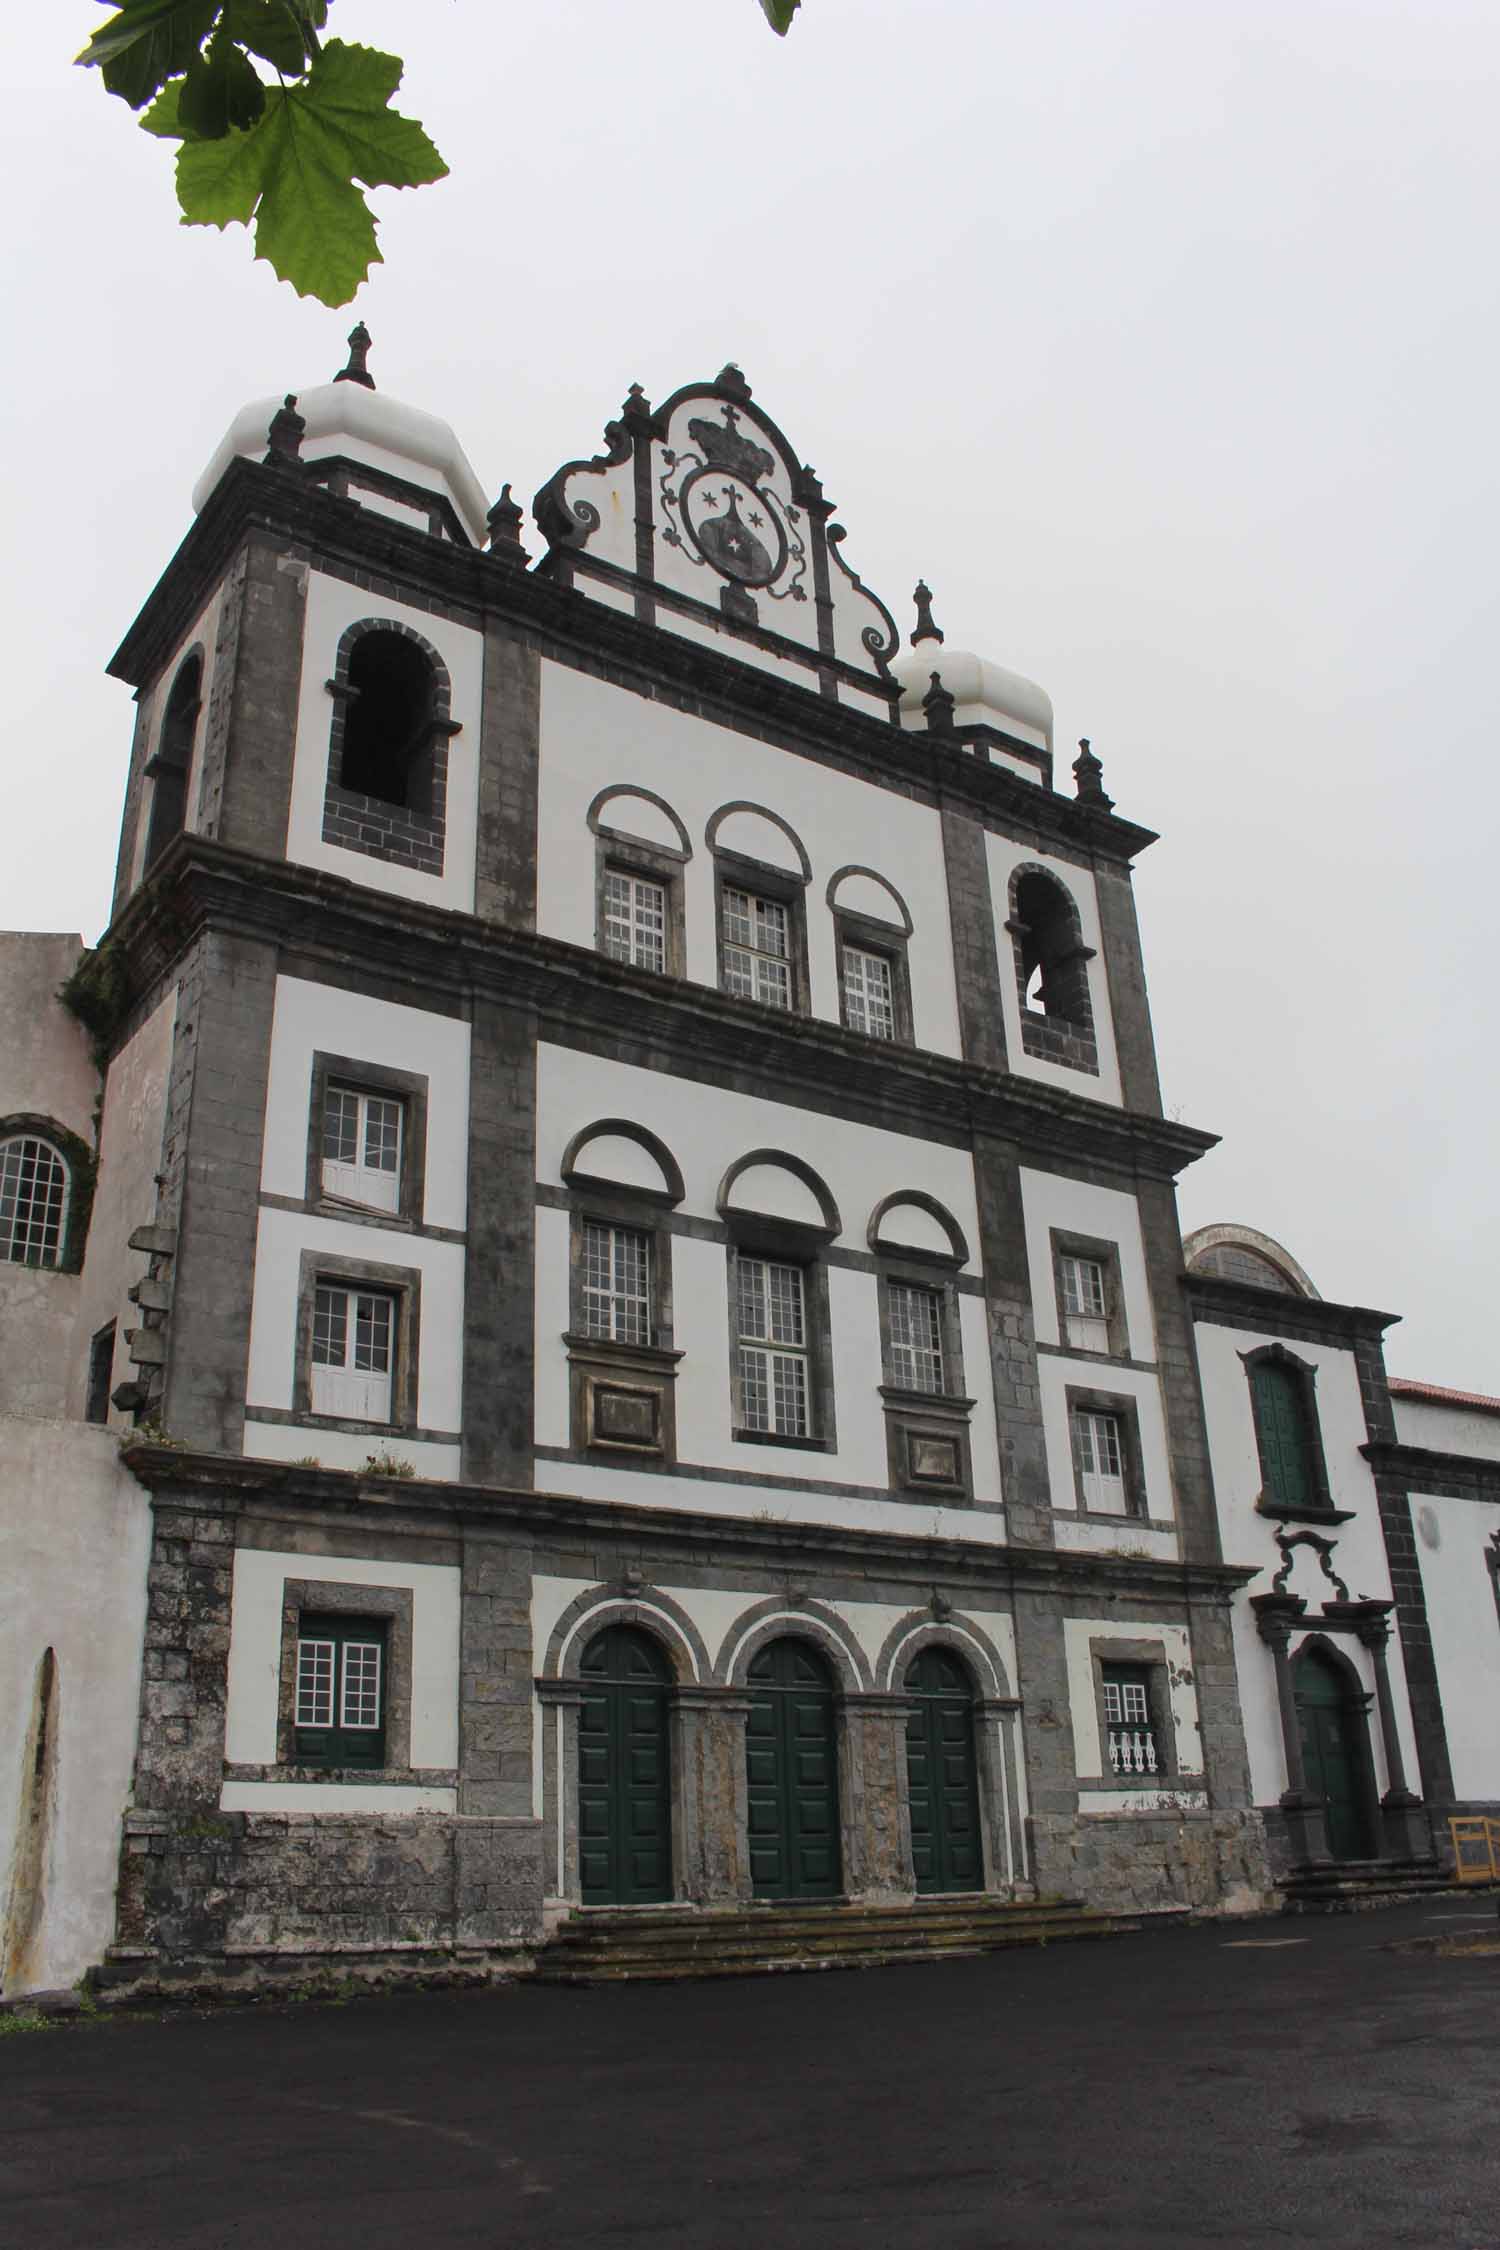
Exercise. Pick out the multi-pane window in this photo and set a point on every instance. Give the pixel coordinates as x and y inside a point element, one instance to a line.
<point>616,1282</point>
<point>1099,1442</point>
<point>1085,1306</point>
<point>757,947</point>
<point>362,1147</point>
<point>33,1201</point>
<point>635,920</point>
<point>774,1391</point>
<point>916,1324</point>
<point>339,1710</point>
<point>352,1350</point>
<point>869,992</point>
<point>1128,1722</point>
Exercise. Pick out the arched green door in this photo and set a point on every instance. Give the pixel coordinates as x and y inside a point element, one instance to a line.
<point>1335,1753</point>
<point>792,1765</point>
<point>941,1775</point>
<point>624,1806</point>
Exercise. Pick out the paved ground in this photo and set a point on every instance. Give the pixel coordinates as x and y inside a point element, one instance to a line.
<point>1266,2083</point>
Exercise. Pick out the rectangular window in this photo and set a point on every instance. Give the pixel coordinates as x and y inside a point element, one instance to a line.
<point>362,1147</point>
<point>916,1318</point>
<point>101,1369</point>
<point>339,1712</point>
<point>774,1387</point>
<point>352,1352</point>
<point>869,993</point>
<point>1133,1747</point>
<point>616,1283</point>
<point>1085,1305</point>
<point>757,948</point>
<point>635,920</point>
<point>1099,1443</point>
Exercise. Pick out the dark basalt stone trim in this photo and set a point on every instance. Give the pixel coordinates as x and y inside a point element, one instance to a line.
<point>391,1435</point>
<point>338,470</point>
<point>227,1484</point>
<point>358,1215</point>
<point>1447,1476</point>
<point>470,587</point>
<point>584,1000</point>
<point>1311,1320</point>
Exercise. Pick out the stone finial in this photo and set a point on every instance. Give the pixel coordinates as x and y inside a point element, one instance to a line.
<point>284,437</point>
<point>730,379</point>
<point>359,352</point>
<point>939,706</point>
<point>926,629</point>
<point>505,519</point>
<point>1088,777</point>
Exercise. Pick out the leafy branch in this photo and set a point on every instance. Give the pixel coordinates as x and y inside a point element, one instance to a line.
<point>289,157</point>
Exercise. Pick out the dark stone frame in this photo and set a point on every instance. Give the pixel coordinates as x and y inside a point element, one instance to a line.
<point>357,823</point>
<point>172,760</point>
<point>890,942</point>
<point>404,1284</point>
<point>1125,1410</point>
<point>621,1396</point>
<point>789,1242</point>
<point>1068,1040</point>
<point>1305,1374</point>
<point>410,1088</point>
<point>913,1418</point>
<point>1151,1658</point>
<point>617,848</point>
<point>779,885</point>
<point>80,1164</point>
<point>1106,1253</point>
<point>393,1607</point>
<point>1356,1703</point>
<point>101,1370</point>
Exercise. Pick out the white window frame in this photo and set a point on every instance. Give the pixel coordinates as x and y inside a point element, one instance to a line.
<point>761,964</point>
<point>342,1387</point>
<point>1130,1732</point>
<point>34,1203</point>
<point>918,1355</point>
<point>869,989</point>
<point>1100,1442</point>
<point>619,1309</point>
<point>376,1187</point>
<point>1085,1295</point>
<point>633,918</point>
<point>775,1368</point>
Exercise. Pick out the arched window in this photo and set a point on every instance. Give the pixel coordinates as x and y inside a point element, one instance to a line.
<point>388,747</point>
<point>33,1201</point>
<point>170,767</point>
<point>1052,975</point>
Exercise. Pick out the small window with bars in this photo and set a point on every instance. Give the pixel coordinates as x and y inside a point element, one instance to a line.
<point>1085,1302</point>
<point>617,1283</point>
<point>916,1330</point>
<point>757,947</point>
<point>353,1350</point>
<point>1099,1449</point>
<point>339,1711</point>
<point>33,1202</point>
<point>773,1358</point>
<point>869,986</point>
<point>1130,1727</point>
<point>362,1136</point>
<point>635,920</point>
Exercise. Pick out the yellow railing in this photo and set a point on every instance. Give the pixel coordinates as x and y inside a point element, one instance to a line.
<point>1476,1848</point>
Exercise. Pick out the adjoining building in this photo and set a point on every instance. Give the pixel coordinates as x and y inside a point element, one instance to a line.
<point>634,1261</point>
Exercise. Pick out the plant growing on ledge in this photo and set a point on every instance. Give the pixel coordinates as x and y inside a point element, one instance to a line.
<point>387,1464</point>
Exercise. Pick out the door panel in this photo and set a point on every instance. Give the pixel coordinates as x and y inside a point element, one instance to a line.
<point>1335,1755</point>
<point>792,1769</point>
<point>624,1811</point>
<point>942,1777</point>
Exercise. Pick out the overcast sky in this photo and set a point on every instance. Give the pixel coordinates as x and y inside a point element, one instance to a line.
<point>1161,338</point>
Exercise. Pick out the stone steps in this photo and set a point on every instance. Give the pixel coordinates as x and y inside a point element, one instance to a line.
<point>675,1946</point>
<point>1358,1886</point>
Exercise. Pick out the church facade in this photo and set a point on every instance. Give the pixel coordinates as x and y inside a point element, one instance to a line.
<point>635,1264</point>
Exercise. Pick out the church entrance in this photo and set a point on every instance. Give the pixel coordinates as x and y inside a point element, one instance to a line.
<point>1335,1753</point>
<point>624,1808</point>
<point>941,1775</point>
<point>792,1763</point>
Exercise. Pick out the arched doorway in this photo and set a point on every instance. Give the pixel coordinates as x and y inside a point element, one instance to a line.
<point>1335,1752</point>
<point>792,1767</point>
<point>942,1776</point>
<point>624,1804</point>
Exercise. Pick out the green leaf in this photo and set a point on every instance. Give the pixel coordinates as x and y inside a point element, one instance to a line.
<point>147,42</point>
<point>272,30</point>
<point>294,171</point>
<point>779,14</point>
<point>220,91</point>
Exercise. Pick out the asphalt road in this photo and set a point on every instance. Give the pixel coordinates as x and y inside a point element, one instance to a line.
<point>1263,2083</point>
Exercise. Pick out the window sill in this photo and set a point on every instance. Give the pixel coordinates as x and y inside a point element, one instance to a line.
<point>1277,1513</point>
<point>775,1437</point>
<point>616,1352</point>
<point>395,1777</point>
<point>946,1403</point>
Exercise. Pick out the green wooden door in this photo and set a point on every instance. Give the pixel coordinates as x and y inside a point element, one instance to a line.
<point>1333,1754</point>
<point>1281,1424</point>
<point>624,1807</point>
<point>941,1775</point>
<point>792,1765</point>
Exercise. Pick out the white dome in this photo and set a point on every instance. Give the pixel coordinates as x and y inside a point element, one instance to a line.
<point>984,694</point>
<point>367,426</point>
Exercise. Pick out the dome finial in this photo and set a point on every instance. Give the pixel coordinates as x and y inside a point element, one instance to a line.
<point>359,352</point>
<point>926,629</point>
<point>284,436</point>
<point>1088,777</point>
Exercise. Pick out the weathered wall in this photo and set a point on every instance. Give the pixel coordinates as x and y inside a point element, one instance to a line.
<point>45,1066</point>
<point>1458,1553</point>
<point>75,1532</point>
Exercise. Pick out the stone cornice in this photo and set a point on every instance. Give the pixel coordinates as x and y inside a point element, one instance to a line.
<point>1239,1304</point>
<point>1474,1476</point>
<point>580,997</point>
<point>296,512</point>
<point>232,1484</point>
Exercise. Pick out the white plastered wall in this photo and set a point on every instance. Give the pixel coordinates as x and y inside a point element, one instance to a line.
<point>1182,1788</point>
<point>1455,1539</point>
<point>706,1128</point>
<point>595,736</point>
<point>1004,857</point>
<point>260,1578</point>
<point>75,1535</point>
<point>1248,1538</point>
<point>332,607</point>
<point>1448,1427</point>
